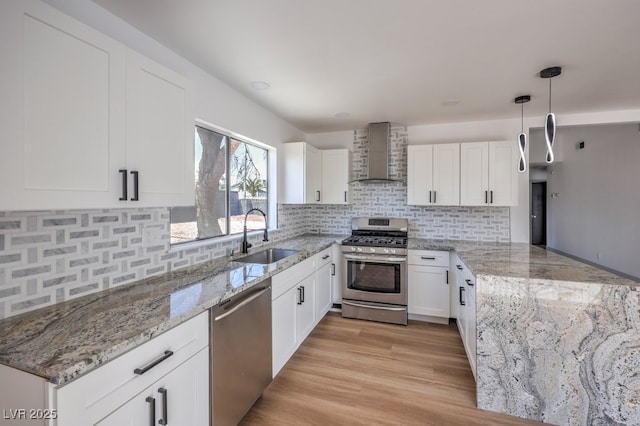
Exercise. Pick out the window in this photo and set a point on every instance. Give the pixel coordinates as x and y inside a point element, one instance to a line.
<point>231,180</point>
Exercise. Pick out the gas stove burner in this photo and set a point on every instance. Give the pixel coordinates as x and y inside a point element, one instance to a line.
<point>378,232</point>
<point>356,240</point>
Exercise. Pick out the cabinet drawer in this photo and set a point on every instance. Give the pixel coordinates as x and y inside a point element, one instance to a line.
<point>93,396</point>
<point>323,258</point>
<point>286,279</point>
<point>429,258</point>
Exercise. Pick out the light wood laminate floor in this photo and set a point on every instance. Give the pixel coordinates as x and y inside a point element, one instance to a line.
<point>352,372</point>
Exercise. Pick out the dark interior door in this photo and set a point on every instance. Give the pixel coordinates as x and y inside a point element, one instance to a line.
<point>539,213</point>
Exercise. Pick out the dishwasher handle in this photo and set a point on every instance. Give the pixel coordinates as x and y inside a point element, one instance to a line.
<point>242,303</point>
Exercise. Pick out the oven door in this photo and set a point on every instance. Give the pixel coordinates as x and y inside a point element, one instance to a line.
<point>376,278</point>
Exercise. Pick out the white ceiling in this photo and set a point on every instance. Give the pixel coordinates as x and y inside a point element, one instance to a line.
<point>399,60</point>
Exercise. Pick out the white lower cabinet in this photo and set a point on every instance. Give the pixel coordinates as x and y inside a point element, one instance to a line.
<point>324,283</point>
<point>180,397</point>
<point>428,283</point>
<point>169,373</point>
<point>466,311</point>
<point>301,296</point>
<point>177,361</point>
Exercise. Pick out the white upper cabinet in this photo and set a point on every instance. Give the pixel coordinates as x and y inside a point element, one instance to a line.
<point>71,106</point>
<point>336,175</point>
<point>488,174</point>
<point>160,132</point>
<point>312,176</point>
<point>433,174</point>
<point>62,120</point>
<point>301,174</point>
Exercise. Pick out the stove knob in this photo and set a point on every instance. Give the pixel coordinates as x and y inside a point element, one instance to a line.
<point>393,251</point>
<point>353,248</point>
<point>372,250</point>
<point>386,251</point>
<point>359,249</point>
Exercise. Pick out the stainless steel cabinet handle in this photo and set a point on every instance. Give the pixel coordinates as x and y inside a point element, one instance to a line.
<point>241,304</point>
<point>152,364</point>
<point>383,308</point>
<point>469,283</point>
<point>152,410</point>
<point>165,400</point>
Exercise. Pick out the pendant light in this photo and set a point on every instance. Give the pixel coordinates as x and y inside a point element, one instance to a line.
<point>522,137</point>
<point>550,119</point>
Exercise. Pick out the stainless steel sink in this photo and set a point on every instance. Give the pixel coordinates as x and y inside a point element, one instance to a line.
<point>267,256</point>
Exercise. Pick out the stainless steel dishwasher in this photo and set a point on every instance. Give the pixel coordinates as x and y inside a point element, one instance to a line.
<point>240,353</point>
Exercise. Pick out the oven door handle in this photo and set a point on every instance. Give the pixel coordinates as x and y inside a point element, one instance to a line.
<point>382,308</point>
<point>375,258</point>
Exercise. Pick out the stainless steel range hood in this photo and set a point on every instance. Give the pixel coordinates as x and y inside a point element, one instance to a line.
<point>378,154</point>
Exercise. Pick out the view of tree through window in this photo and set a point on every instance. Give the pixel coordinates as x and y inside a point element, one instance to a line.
<point>230,180</point>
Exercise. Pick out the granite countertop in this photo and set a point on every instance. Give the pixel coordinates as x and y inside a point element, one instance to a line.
<point>520,260</point>
<point>64,341</point>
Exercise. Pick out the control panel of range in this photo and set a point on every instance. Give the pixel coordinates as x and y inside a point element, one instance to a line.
<point>374,250</point>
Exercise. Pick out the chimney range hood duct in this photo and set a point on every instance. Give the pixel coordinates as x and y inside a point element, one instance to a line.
<point>378,156</point>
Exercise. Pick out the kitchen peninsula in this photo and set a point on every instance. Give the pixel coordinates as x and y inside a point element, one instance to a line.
<point>557,340</point>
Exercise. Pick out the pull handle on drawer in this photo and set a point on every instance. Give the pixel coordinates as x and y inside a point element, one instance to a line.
<point>427,258</point>
<point>469,283</point>
<point>459,267</point>
<point>135,175</point>
<point>152,364</point>
<point>325,257</point>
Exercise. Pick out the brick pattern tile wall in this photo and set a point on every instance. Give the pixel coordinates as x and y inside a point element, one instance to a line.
<point>52,256</point>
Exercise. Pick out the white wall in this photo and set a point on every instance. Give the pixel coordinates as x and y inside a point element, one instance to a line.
<point>595,216</point>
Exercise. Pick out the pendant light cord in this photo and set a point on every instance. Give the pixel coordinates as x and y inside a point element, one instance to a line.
<point>522,117</point>
<point>550,95</point>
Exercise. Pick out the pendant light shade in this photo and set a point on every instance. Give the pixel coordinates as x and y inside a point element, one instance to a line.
<point>522,137</point>
<point>550,119</point>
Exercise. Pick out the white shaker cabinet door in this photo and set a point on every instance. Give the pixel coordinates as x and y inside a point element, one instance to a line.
<point>160,134</point>
<point>419,175</point>
<point>503,174</point>
<point>336,166</point>
<point>428,291</point>
<point>474,174</point>
<point>446,174</point>
<point>283,328</point>
<point>62,124</point>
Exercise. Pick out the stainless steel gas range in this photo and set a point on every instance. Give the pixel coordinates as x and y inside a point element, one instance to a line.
<point>376,270</point>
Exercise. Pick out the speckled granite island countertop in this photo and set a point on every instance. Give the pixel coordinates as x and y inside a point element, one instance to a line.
<point>64,341</point>
<point>557,340</point>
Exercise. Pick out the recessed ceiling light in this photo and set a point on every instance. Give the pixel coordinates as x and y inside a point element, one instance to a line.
<point>450,102</point>
<point>341,115</point>
<point>260,85</point>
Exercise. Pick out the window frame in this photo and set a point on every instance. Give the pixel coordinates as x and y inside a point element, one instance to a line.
<point>271,212</point>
